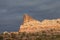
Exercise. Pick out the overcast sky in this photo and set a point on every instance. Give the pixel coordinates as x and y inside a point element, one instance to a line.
<point>11,12</point>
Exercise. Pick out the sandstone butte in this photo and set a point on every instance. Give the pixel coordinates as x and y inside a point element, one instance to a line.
<point>33,25</point>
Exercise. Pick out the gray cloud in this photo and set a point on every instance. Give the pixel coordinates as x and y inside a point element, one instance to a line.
<point>11,11</point>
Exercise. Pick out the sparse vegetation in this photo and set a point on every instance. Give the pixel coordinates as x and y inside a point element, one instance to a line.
<point>30,36</point>
<point>1,37</point>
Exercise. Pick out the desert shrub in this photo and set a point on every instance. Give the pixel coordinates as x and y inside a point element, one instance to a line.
<point>57,36</point>
<point>9,39</point>
<point>1,37</point>
<point>13,35</point>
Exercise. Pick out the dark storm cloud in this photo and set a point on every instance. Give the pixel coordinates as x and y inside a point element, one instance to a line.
<point>11,11</point>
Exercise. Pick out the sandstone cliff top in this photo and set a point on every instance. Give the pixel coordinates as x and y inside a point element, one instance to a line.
<point>32,25</point>
<point>28,18</point>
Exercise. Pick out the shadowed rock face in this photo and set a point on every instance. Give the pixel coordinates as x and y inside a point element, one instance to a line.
<point>32,25</point>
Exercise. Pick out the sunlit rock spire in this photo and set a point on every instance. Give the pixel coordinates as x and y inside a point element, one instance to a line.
<point>27,18</point>
<point>29,24</point>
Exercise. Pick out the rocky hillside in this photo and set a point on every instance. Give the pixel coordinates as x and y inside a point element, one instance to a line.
<point>33,25</point>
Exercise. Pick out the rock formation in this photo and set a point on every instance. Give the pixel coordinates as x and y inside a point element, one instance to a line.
<point>32,25</point>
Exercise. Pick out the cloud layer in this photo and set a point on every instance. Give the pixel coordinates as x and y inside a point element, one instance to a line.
<point>11,11</point>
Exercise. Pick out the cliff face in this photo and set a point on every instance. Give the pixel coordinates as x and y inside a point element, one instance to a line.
<point>32,25</point>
